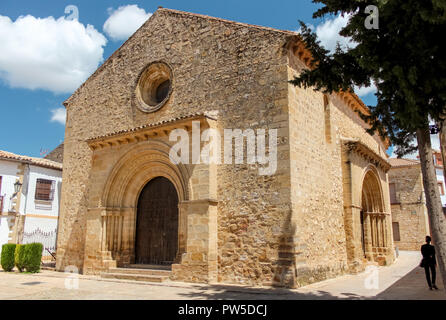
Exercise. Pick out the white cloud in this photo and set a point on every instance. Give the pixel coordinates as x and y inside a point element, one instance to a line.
<point>363,91</point>
<point>45,53</point>
<point>435,141</point>
<point>59,115</point>
<point>328,33</point>
<point>124,21</point>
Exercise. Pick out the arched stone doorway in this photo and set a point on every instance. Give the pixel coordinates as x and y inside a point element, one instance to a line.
<point>367,218</point>
<point>124,167</point>
<point>157,223</point>
<point>137,167</point>
<point>374,223</point>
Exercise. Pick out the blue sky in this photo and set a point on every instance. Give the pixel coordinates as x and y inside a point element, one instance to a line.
<point>30,96</point>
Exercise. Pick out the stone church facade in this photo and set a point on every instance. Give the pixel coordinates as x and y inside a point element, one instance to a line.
<point>410,221</point>
<point>324,212</point>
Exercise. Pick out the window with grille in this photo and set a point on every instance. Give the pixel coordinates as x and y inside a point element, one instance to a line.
<point>396,231</point>
<point>44,190</point>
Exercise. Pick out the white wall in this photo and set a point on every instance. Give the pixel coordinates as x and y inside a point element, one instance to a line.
<point>4,231</point>
<point>440,177</point>
<point>43,228</point>
<point>32,206</point>
<point>8,172</point>
<point>40,215</point>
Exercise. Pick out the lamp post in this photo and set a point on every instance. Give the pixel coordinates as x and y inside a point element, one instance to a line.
<point>17,186</point>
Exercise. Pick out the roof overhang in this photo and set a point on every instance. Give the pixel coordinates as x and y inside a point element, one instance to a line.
<point>299,49</point>
<point>365,152</point>
<point>152,130</point>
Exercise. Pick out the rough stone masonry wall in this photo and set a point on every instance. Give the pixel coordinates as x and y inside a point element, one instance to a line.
<point>316,177</point>
<point>410,211</point>
<point>56,154</point>
<point>216,65</point>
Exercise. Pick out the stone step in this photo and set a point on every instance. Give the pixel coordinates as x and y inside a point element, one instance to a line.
<point>140,271</point>
<point>149,266</point>
<point>134,277</point>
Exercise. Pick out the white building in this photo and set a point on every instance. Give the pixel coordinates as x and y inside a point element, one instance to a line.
<point>440,176</point>
<point>29,200</point>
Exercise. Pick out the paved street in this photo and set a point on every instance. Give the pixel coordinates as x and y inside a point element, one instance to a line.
<point>402,280</point>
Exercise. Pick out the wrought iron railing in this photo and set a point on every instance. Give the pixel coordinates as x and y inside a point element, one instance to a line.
<point>47,239</point>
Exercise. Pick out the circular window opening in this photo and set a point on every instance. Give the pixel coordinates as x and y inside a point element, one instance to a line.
<point>154,87</point>
<point>162,91</point>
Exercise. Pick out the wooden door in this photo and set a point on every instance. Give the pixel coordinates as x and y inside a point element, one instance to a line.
<point>157,223</point>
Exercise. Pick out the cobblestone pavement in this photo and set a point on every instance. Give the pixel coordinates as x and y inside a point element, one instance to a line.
<point>402,280</point>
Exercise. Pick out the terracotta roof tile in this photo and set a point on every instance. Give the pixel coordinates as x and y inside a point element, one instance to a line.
<point>210,115</point>
<point>401,162</point>
<point>5,155</point>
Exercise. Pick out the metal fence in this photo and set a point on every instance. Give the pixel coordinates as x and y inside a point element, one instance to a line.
<point>47,239</point>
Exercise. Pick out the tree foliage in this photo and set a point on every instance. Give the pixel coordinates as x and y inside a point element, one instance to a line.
<point>404,57</point>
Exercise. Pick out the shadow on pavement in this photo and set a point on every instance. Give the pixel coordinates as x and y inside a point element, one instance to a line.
<point>413,286</point>
<point>226,292</point>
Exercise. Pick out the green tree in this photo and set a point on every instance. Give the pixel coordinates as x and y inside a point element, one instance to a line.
<point>404,57</point>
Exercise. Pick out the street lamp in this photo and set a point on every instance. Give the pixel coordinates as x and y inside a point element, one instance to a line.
<point>17,186</point>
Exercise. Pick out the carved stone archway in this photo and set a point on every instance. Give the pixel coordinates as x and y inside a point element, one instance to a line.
<point>366,210</point>
<point>122,164</point>
<point>132,172</point>
<point>375,224</point>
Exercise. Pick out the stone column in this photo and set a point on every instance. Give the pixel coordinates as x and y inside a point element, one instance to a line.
<point>379,232</point>
<point>182,230</point>
<point>368,236</point>
<point>354,239</point>
<point>375,232</point>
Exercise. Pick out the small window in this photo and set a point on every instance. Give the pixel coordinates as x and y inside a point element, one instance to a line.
<point>396,231</point>
<point>327,120</point>
<point>441,187</point>
<point>44,190</point>
<point>392,191</point>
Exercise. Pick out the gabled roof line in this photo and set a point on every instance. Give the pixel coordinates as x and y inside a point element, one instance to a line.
<point>106,62</point>
<point>40,162</point>
<point>184,13</point>
<point>241,24</point>
<point>292,37</point>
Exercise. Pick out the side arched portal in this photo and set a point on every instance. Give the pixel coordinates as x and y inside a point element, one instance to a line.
<point>374,222</point>
<point>367,218</point>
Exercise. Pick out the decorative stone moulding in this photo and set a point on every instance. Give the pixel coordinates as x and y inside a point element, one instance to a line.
<point>154,86</point>
<point>365,152</point>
